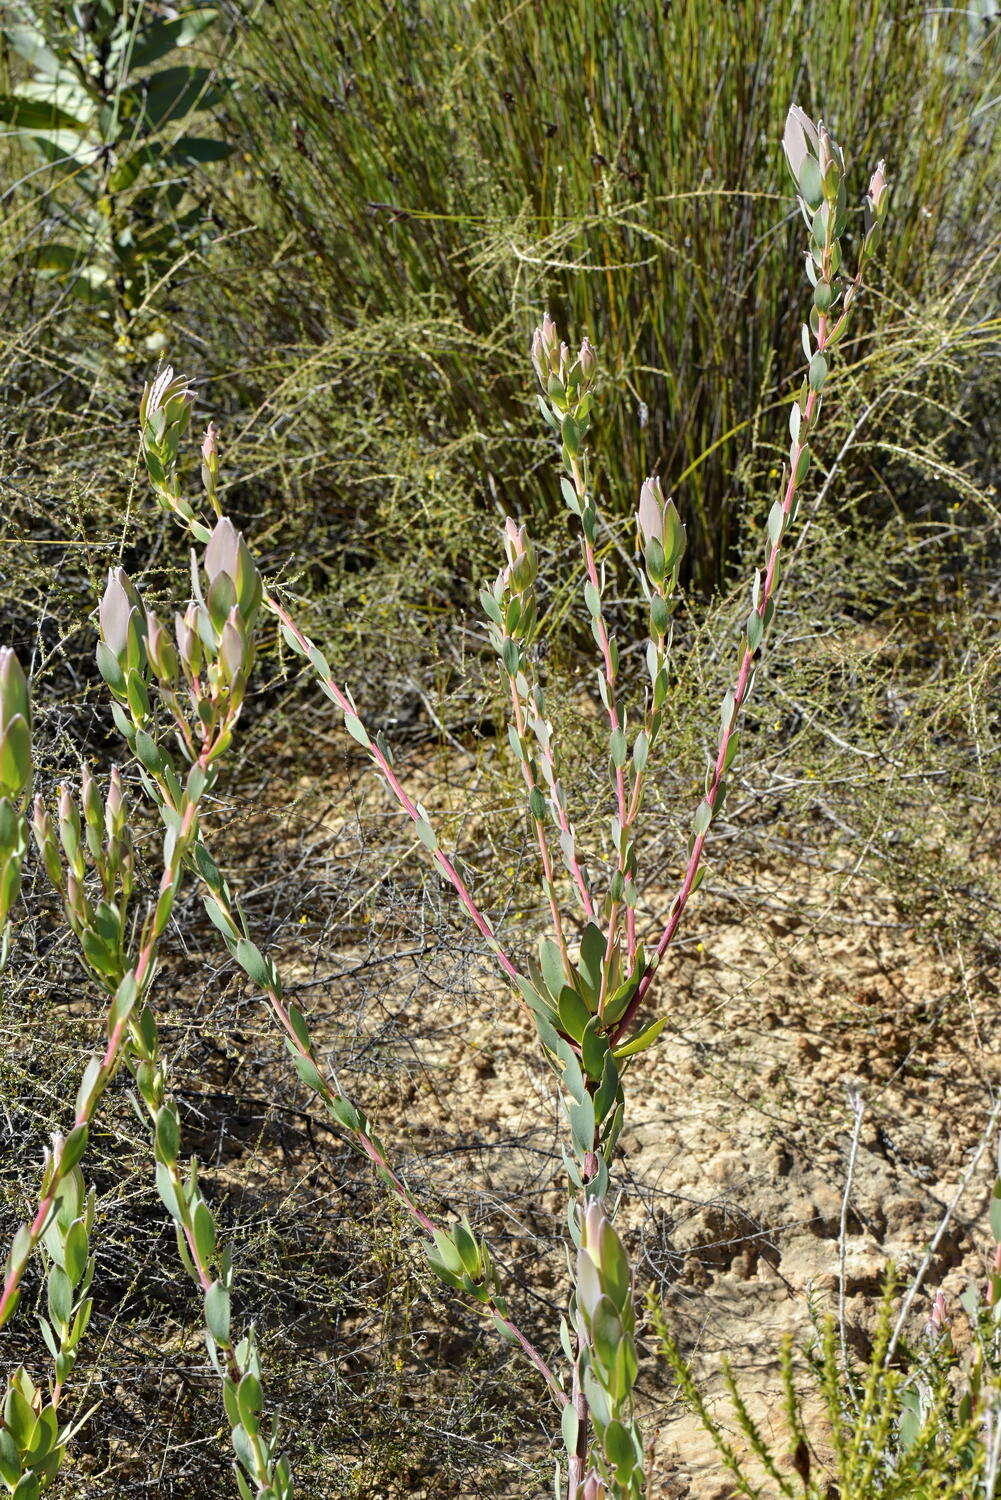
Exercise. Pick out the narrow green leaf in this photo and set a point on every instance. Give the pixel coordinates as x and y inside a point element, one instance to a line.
<point>642,1040</point>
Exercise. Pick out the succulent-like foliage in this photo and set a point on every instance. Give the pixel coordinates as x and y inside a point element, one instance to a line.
<point>33,1437</point>
<point>88,855</point>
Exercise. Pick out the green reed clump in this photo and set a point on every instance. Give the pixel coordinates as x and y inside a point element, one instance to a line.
<point>446,165</point>
<point>177,696</point>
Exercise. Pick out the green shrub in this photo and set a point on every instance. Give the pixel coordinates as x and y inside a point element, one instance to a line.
<point>177,698</point>
<point>105,122</point>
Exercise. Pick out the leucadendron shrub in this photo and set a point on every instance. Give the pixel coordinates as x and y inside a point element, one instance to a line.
<point>177,694</point>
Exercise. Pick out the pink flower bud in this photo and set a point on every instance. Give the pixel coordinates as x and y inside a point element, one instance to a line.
<point>939,1312</point>
<point>594,1218</point>
<point>800,134</point>
<point>189,646</point>
<point>651,510</point>
<point>232,647</point>
<point>115,612</point>
<point>539,357</point>
<point>514,544</point>
<point>550,337</point>
<point>593,1487</point>
<point>825,154</point>
<point>228,553</point>
<point>210,445</point>
<point>588,361</point>
<point>114,802</point>
<point>76,901</point>
<point>522,565</point>
<point>877,187</point>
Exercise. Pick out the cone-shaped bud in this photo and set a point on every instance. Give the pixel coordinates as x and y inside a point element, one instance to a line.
<point>210,460</point>
<point>189,645</point>
<point>587,362</point>
<point>160,650</point>
<point>114,806</point>
<point>76,900</point>
<point>45,840</point>
<point>41,823</point>
<point>70,830</point>
<point>801,143</point>
<point>825,153</point>
<point>661,530</point>
<point>876,196</point>
<point>799,137</point>
<point>121,615</point>
<point>522,563</point>
<point>15,727</point>
<point>594,1217</point>
<point>228,553</point>
<point>93,810</point>
<point>546,351</point>
<point>550,338</point>
<point>651,510</point>
<point>539,359</point>
<point>233,646</point>
<point>602,1259</point>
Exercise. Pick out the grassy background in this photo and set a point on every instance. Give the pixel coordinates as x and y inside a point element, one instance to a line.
<point>411,184</point>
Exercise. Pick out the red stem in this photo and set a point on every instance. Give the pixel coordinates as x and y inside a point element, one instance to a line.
<point>109,1062</point>
<point>389,776</point>
<point>739,695</point>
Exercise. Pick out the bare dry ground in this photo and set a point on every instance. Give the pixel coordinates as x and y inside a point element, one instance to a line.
<point>796,996</point>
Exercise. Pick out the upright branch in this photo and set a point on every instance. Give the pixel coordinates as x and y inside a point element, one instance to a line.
<point>15,785</point>
<point>512,615</point>
<point>33,1438</point>
<point>568,387</point>
<point>88,856</point>
<point>818,166</point>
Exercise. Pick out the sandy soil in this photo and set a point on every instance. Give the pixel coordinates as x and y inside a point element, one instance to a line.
<point>735,1158</point>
